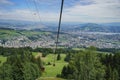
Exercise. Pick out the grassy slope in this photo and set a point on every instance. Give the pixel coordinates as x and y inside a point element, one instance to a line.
<point>6,34</point>
<point>50,78</point>
<point>2,59</point>
<point>50,70</point>
<point>31,33</point>
<point>9,34</point>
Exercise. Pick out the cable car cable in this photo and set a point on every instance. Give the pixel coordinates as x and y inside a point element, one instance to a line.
<point>58,32</point>
<point>37,10</point>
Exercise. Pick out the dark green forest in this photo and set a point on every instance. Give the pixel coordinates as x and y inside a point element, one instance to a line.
<point>20,64</point>
<point>90,65</point>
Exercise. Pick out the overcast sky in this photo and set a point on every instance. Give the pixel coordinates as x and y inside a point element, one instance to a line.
<point>97,11</point>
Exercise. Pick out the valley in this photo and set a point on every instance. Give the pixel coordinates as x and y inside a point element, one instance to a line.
<point>39,38</point>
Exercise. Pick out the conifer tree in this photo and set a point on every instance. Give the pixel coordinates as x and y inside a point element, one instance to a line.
<point>58,57</point>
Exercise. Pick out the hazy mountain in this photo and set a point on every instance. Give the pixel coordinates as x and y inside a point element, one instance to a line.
<point>50,26</point>
<point>93,27</point>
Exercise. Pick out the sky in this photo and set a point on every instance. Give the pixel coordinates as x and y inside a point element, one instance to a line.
<point>95,11</point>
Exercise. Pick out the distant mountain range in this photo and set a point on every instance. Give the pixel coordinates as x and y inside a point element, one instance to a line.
<point>83,27</point>
<point>92,27</point>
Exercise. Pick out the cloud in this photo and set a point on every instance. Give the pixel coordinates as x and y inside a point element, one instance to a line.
<point>99,11</point>
<point>6,2</point>
<point>29,15</point>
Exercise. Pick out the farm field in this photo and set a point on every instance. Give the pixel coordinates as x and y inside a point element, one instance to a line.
<point>8,34</point>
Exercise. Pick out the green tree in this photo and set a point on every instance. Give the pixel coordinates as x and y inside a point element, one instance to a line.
<point>30,71</point>
<point>87,66</point>
<point>115,75</point>
<point>67,71</point>
<point>58,57</point>
<point>68,57</point>
<point>6,72</point>
<point>39,62</point>
<point>21,67</point>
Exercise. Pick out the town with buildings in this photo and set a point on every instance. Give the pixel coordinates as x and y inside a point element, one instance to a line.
<point>68,40</point>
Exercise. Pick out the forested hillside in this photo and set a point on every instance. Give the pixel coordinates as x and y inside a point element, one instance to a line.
<point>78,64</point>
